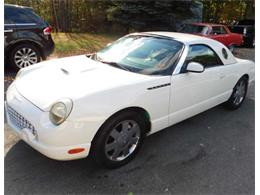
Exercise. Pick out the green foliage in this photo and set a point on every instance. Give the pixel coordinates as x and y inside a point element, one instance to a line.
<point>150,15</point>
<point>123,16</point>
<point>227,11</point>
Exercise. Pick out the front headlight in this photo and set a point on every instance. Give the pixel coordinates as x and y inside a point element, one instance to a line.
<point>60,111</point>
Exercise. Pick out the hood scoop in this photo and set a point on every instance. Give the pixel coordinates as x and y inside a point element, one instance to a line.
<point>64,71</point>
<point>67,72</point>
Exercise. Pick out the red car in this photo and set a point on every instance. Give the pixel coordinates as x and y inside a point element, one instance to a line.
<point>218,32</point>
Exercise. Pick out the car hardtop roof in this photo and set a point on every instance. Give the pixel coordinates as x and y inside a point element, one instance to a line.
<point>189,39</point>
<point>182,37</point>
<point>18,6</point>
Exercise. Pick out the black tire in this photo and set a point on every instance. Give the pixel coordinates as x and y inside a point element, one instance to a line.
<point>98,151</point>
<point>253,43</point>
<point>233,102</point>
<point>27,47</point>
<point>233,49</point>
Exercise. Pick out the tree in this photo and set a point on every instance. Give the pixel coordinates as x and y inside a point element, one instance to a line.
<point>151,15</point>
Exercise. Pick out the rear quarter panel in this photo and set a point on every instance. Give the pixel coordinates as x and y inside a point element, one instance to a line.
<point>236,39</point>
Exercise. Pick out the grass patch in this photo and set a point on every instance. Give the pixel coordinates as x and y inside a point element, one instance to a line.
<point>67,44</point>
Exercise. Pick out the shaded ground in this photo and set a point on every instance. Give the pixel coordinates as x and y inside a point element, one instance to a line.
<point>211,153</point>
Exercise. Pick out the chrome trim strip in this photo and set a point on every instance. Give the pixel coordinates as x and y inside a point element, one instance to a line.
<point>8,30</point>
<point>182,60</point>
<point>159,86</point>
<point>22,24</point>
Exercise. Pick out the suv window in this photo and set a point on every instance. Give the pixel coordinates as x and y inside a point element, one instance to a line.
<point>218,30</point>
<point>21,15</point>
<point>203,55</point>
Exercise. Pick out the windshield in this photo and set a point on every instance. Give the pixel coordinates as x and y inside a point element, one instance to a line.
<point>141,54</point>
<point>194,29</point>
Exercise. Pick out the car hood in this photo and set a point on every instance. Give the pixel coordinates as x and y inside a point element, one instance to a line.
<point>71,77</point>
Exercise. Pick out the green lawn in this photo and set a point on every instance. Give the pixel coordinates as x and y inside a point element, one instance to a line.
<point>67,44</point>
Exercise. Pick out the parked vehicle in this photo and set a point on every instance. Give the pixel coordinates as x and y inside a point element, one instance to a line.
<point>104,105</point>
<point>214,31</point>
<point>27,36</point>
<point>247,29</point>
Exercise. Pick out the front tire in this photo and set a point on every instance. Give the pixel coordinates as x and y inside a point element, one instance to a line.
<point>24,55</point>
<point>238,95</point>
<point>118,140</point>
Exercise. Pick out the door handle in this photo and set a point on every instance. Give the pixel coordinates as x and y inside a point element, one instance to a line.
<point>8,30</point>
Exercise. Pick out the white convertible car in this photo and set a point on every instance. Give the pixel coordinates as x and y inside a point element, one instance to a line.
<point>104,104</point>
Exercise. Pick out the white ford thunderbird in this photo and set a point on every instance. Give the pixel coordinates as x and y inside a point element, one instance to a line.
<point>104,104</point>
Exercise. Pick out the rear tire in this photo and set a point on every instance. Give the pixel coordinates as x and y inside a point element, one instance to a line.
<point>253,43</point>
<point>114,145</point>
<point>24,55</point>
<point>238,95</point>
<point>232,48</point>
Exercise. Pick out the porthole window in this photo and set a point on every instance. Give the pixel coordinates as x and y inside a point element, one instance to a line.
<point>225,54</point>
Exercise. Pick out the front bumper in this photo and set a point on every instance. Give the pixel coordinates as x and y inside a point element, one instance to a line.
<point>52,141</point>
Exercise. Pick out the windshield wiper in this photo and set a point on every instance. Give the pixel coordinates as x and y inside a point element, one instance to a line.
<point>115,64</point>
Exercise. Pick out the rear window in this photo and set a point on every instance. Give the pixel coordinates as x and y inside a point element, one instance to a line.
<point>194,29</point>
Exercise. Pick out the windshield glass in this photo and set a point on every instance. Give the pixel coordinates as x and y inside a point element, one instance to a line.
<point>141,54</point>
<point>194,29</point>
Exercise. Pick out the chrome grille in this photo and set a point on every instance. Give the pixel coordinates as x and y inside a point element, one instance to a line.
<point>19,121</point>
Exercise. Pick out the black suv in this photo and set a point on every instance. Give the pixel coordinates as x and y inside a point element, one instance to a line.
<point>247,29</point>
<point>27,36</point>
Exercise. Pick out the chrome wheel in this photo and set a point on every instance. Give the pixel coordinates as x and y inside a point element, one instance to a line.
<point>239,93</point>
<point>25,57</point>
<point>122,140</point>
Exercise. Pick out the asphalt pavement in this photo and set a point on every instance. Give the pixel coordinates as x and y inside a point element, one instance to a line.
<point>211,153</point>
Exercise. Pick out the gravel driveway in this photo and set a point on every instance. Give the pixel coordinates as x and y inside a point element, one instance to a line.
<point>211,153</point>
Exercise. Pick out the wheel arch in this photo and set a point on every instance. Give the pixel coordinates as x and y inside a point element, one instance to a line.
<point>138,110</point>
<point>35,44</point>
<point>246,76</point>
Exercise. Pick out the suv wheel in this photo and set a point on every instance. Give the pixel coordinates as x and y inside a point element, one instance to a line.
<point>24,55</point>
<point>118,140</point>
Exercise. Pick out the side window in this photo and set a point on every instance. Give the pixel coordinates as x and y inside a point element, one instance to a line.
<point>18,16</point>
<point>223,30</point>
<point>203,55</point>
<point>7,15</point>
<point>216,30</point>
<point>7,21</point>
<point>224,53</point>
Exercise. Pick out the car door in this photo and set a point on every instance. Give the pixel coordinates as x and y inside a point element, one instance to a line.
<point>9,28</point>
<point>219,34</point>
<point>192,93</point>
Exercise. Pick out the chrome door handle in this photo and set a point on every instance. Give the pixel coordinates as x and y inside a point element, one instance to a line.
<point>9,30</point>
